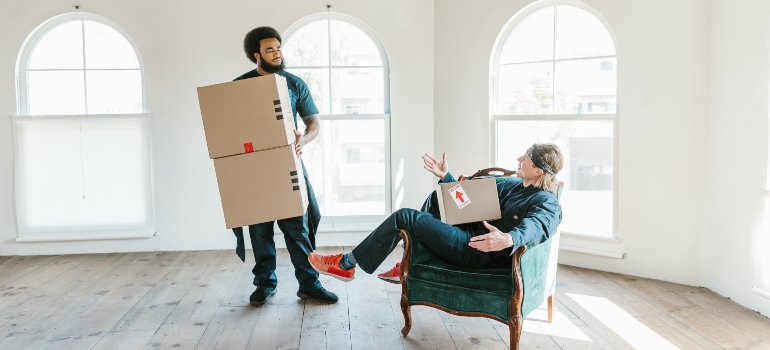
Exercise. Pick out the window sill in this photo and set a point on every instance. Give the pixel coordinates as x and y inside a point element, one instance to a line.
<point>761,292</point>
<point>79,236</point>
<point>591,245</point>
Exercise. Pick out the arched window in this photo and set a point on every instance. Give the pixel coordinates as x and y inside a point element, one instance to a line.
<point>81,134</point>
<point>346,68</point>
<point>554,79</point>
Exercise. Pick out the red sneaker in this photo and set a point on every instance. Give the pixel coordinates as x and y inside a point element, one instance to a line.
<point>393,275</point>
<point>330,265</point>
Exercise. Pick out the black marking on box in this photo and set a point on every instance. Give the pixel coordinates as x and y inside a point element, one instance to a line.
<point>278,109</point>
<point>293,173</point>
<point>296,188</point>
<point>294,181</point>
<point>279,117</point>
<point>276,102</point>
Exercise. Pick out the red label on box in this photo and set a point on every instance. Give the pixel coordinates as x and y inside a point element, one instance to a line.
<point>248,147</point>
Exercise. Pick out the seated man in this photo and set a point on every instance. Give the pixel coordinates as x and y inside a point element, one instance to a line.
<point>530,214</point>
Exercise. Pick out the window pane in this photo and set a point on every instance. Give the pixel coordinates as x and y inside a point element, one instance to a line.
<point>318,82</point>
<point>114,92</point>
<point>106,48</point>
<point>587,147</point>
<point>357,91</point>
<point>525,89</point>
<point>83,174</point>
<point>56,92</point>
<point>586,86</point>
<point>352,47</point>
<point>308,46</point>
<point>60,48</point>
<point>580,34</point>
<point>532,40</point>
<point>347,167</point>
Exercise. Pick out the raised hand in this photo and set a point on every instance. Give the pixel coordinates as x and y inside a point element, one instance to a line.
<point>438,167</point>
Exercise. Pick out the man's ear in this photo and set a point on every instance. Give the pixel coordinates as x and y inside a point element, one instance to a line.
<point>539,171</point>
<point>256,55</point>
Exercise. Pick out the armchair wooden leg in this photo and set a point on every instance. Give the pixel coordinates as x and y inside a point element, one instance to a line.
<point>514,325</point>
<point>550,308</point>
<point>406,309</point>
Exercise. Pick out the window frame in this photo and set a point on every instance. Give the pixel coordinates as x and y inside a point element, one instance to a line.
<point>26,235</point>
<point>25,54</point>
<point>584,243</point>
<point>353,223</point>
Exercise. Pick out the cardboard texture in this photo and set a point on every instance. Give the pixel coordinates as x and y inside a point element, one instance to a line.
<point>261,186</point>
<point>468,201</point>
<point>246,115</point>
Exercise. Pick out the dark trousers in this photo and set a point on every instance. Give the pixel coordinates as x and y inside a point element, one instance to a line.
<point>447,241</point>
<point>295,233</point>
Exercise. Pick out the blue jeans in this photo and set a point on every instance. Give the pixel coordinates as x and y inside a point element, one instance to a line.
<point>447,241</point>
<point>295,233</point>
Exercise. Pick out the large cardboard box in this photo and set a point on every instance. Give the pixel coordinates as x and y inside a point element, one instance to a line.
<point>246,115</point>
<point>468,201</point>
<point>261,186</point>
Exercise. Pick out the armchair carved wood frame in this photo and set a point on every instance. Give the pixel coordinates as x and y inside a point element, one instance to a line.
<point>503,295</point>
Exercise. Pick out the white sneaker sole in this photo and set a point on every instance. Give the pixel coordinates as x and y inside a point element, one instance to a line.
<point>394,280</point>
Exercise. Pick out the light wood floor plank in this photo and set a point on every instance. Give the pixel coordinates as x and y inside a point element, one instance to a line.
<point>185,326</point>
<point>53,291</point>
<point>199,300</point>
<point>156,305</point>
<point>230,328</point>
<point>35,329</point>
<point>124,340</point>
<point>88,328</point>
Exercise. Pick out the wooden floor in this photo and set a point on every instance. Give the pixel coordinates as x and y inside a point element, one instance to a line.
<point>199,300</point>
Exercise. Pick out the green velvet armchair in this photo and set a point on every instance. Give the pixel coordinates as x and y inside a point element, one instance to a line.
<point>506,295</point>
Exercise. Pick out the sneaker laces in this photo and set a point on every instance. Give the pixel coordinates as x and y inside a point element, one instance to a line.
<point>332,260</point>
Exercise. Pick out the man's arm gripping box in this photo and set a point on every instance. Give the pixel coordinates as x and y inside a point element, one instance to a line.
<point>246,115</point>
<point>468,201</point>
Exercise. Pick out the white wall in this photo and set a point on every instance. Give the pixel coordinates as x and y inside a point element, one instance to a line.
<point>186,44</point>
<point>693,95</point>
<point>663,79</point>
<point>738,135</point>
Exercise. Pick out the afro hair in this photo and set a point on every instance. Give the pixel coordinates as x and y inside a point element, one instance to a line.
<point>252,39</point>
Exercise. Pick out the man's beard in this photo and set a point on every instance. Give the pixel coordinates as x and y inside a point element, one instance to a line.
<point>272,69</point>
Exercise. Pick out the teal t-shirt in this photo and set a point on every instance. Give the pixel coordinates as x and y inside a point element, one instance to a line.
<point>301,100</point>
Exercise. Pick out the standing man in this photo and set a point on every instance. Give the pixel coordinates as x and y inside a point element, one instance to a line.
<point>263,47</point>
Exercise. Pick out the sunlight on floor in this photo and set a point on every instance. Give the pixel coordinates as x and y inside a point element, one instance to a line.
<point>623,324</point>
<point>560,327</point>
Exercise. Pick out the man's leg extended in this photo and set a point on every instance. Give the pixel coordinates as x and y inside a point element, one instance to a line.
<point>447,241</point>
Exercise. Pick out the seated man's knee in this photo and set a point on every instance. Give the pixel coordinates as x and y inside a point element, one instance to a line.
<point>404,216</point>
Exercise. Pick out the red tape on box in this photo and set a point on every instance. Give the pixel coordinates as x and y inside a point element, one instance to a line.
<point>248,147</point>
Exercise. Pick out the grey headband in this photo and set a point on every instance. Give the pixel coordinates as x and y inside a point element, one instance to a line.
<point>538,161</point>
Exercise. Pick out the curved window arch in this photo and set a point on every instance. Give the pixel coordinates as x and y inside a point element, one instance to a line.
<point>346,68</point>
<point>82,136</point>
<point>79,63</point>
<point>554,79</point>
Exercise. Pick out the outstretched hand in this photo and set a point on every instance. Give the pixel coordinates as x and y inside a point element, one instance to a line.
<point>438,167</point>
<point>493,241</point>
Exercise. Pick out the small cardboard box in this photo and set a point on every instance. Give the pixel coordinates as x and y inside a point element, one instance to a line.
<point>261,186</point>
<point>246,115</point>
<point>468,201</point>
